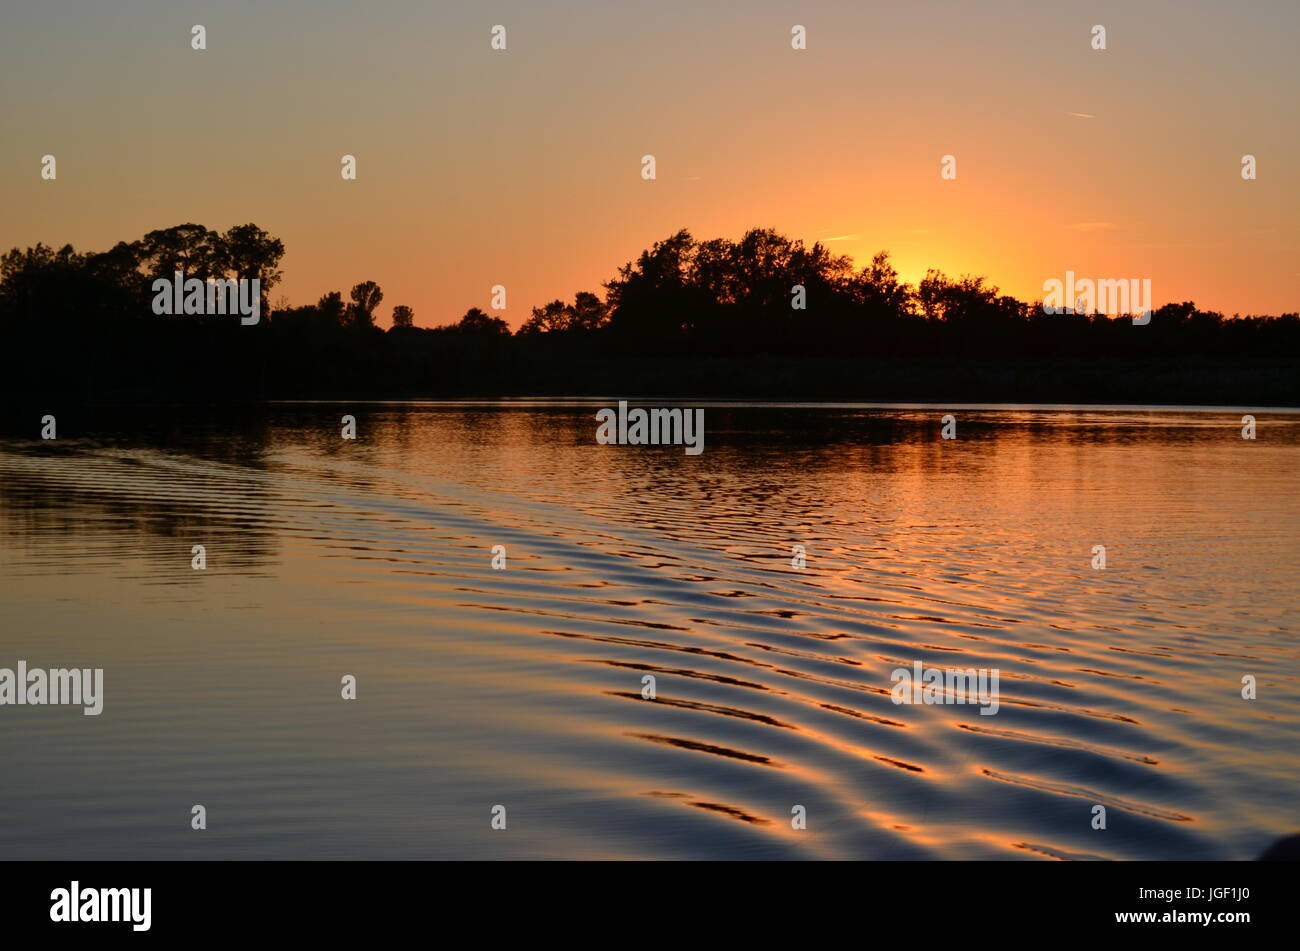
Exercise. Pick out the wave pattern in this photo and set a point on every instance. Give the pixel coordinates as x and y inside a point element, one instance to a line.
<point>523,686</point>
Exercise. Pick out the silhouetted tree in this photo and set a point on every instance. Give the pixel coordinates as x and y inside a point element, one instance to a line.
<point>478,323</point>
<point>554,317</point>
<point>589,312</point>
<point>653,301</point>
<point>333,308</point>
<point>190,248</point>
<point>365,298</point>
<point>585,314</point>
<point>247,252</point>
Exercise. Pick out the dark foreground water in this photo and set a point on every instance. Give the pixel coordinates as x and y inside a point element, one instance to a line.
<point>523,687</point>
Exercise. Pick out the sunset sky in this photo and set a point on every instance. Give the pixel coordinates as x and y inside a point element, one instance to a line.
<point>522,167</point>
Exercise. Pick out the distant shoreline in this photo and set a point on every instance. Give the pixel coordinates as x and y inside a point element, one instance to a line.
<point>1189,382</point>
<point>762,318</point>
<point>724,402</point>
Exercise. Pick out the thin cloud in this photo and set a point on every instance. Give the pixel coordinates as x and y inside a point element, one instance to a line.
<point>1081,115</point>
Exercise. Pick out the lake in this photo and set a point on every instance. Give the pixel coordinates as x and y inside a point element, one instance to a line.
<point>522,687</point>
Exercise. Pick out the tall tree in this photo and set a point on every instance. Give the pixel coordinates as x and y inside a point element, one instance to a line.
<point>365,298</point>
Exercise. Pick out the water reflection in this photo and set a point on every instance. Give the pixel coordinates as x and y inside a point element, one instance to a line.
<point>524,686</point>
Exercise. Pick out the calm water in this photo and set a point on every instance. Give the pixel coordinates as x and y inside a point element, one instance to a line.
<point>522,687</point>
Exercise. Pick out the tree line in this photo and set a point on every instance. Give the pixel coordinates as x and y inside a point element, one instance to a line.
<point>764,315</point>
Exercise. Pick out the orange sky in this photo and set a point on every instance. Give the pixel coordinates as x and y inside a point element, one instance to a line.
<point>522,167</point>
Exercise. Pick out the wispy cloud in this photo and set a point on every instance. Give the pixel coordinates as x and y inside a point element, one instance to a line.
<point>1081,115</point>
